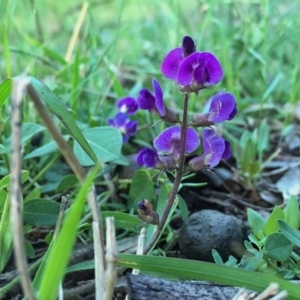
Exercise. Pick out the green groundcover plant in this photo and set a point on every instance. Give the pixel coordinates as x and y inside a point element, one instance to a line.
<point>152,194</point>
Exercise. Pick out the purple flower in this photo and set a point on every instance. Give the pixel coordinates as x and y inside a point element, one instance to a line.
<point>147,157</point>
<point>155,103</point>
<point>150,159</point>
<point>127,105</point>
<point>168,142</point>
<point>215,148</point>
<point>222,108</point>
<point>191,70</point>
<point>123,123</point>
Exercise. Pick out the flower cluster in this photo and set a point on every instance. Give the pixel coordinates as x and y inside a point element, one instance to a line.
<point>191,71</point>
<point>127,106</point>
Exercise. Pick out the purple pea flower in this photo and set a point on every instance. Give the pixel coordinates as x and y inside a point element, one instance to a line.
<point>123,123</point>
<point>155,103</point>
<point>215,148</point>
<point>222,108</point>
<point>191,70</point>
<point>168,142</point>
<point>127,105</point>
<point>150,159</point>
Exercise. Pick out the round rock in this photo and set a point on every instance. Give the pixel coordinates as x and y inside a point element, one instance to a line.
<point>209,229</point>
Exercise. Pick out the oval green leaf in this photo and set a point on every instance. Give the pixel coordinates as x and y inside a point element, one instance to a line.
<point>41,212</point>
<point>278,247</point>
<point>106,143</point>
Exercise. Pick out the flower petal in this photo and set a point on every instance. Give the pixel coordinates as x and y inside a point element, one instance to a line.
<point>192,140</point>
<point>130,127</point>
<point>222,107</point>
<point>169,140</point>
<point>146,100</point>
<point>120,120</point>
<point>171,63</point>
<point>213,67</point>
<point>147,157</point>
<point>127,105</point>
<point>159,100</point>
<point>188,46</point>
<point>227,152</point>
<point>213,146</point>
<point>202,68</point>
<point>165,140</point>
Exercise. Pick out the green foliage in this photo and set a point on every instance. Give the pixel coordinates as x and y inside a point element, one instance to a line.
<point>272,242</point>
<point>142,187</point>
<point>105,142</point>
<point>41,212</point>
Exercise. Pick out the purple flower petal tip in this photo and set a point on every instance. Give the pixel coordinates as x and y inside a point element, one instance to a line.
<point>147,157</point>
<point>159,97</point>
<point>188,46</point>
<point>146,100</point>
<point>171,63</point>
<point>222,107</point>
<point>127,105</point>
<point>168,141</point>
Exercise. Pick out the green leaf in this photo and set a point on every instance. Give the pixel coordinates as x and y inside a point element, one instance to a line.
<point>45,149</point>
<point>253,262</point>
<point>271,224</point>
<point>122,220</point>
<point>217,257</point>
<point>41,212</point>
<point>6,235</point>
<point>67,183</point>
<point>289,232</point>
<point>106,142</point>
<point>29,249</point>
<point>196,270</point>
<point>291,212</point>
<point>59,253</point>
<point>256,221</point>
<point>184,212</point>
<point>5,181</point>
<point>61,111</point>
<point>5,90</point>
<point>263,137</point>
<point>141,188</point>
<point>84,265</point>
<point>278,247</point>
<point>248,156</point>
<point>28,130</point>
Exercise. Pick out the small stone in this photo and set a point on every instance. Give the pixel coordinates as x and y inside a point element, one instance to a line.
<point>210,229</point>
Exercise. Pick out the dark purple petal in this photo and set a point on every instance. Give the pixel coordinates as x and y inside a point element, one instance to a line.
<point>171,63</point>
<point>111,122</point>
<point>159,100</point>
<point>127,105</point>
<point>192,140</point>
<point>213,147</point>
<point>146,100</point>
<point>213,68</point>
<point>188,46</point>
<point>233,113</point>
<point>130,127</point>
<point>147,157</point>
<point>201,68</point>
<point>169,140</point>
<point>185,74</point>
<point>227,152</point>
<point>120,120</point>
<point>222,107</point>
<point>125,138</point>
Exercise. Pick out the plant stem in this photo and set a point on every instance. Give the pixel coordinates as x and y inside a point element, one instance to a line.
<point>177,180</point>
